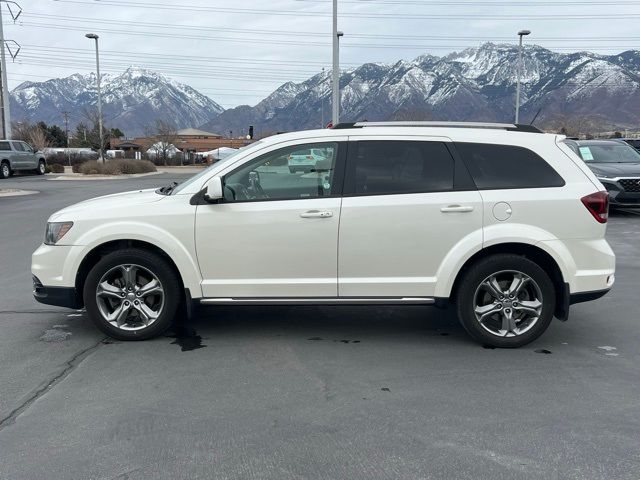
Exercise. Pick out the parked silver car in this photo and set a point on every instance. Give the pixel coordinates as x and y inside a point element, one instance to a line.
<point>16,155</point>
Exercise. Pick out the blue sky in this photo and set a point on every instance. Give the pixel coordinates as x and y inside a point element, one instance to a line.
<point>238,52</point>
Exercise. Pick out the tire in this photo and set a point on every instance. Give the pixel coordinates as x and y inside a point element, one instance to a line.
<point>139,266</point>
<point>479,297</point>
<point>5,170</point>
<point>42,168</point>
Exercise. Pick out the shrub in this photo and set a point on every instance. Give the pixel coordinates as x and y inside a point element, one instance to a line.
<point>117,166</point>
<point>55,168</point>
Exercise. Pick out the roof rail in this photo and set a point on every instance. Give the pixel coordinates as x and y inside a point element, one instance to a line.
<point>496,126</point>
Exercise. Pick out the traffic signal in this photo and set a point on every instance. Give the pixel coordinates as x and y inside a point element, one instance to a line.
<point>251,131</point>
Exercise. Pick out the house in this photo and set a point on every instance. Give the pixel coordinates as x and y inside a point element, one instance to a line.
<point>187,140</point>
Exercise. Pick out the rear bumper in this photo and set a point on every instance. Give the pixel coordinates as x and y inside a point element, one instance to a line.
<point>59,296</point>
<point>587,296</point>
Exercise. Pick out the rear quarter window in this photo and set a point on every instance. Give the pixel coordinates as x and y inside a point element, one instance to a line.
<point>5,146</point>
<point>507,166</point>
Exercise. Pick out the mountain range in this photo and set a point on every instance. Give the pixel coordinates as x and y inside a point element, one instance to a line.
<point>131,101</point>
<point>477,84</point>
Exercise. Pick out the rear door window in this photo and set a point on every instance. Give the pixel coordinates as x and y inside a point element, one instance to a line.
<point>380,167</point>
<point>507,166</point>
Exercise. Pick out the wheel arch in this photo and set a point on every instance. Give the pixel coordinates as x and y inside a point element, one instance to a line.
<point>96,253</point>
<point>532,252</point>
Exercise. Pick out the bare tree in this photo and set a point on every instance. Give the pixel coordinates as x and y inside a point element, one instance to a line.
<point>93,132</point>
<point>34,135</point>
<point>410,114</point>
<point>165,136</point>
<point>576,125</point>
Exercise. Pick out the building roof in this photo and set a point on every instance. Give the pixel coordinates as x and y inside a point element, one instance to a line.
<point>186,132</point>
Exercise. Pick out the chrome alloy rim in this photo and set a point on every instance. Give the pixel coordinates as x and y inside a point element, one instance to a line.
<point>508,303</point>
<point>5,169</point>
<point>130,297</point>
<point>42,167</point>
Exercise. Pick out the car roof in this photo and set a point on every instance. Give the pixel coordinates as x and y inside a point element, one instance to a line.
<point>507,134</point>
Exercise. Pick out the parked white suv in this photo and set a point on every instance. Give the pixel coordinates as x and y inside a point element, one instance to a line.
<point>503,222</point>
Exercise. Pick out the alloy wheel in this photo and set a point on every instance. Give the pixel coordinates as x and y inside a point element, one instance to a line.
<point>508,303</point>
<point>5,170</point>
<point>130,297</point>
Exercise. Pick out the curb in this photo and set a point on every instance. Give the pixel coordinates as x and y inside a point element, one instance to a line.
<point>81,177</point>
<point>14,192</point>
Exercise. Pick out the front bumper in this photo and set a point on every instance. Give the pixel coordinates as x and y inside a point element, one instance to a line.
<point>59,296</point>
<point>618,195</point>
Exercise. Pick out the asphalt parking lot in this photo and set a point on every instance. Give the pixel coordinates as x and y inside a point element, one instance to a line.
<point>309,392</point>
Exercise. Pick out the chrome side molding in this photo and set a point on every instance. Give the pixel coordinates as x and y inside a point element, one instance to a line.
<point>318,301</point>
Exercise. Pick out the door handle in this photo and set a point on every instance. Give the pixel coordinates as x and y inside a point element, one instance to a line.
<point>317,214</point>
<point>457,208</point>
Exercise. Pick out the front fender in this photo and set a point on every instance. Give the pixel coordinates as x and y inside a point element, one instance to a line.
<point>183,255</point>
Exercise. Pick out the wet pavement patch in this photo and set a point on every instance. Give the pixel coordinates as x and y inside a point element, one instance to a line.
<point>55,335</point>
<point>187,338</point>
<point>542,350</point>
<point>347,341</point>
<point>314,339</point>
<point>385,389</point>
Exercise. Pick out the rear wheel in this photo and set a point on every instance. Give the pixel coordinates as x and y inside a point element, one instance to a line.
<point>5,170</point>
<point>132,294</point>
<point>505,301</point>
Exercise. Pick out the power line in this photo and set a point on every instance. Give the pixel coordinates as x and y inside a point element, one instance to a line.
<point>251,31</point>
<point>410,16</point>
<point>347,43</point>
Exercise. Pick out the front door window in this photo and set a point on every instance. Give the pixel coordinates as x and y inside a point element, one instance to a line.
<point>298,172</point>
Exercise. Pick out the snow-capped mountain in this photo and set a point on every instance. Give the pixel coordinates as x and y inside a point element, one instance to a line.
<point>477,84</point>
<point>131,101</point>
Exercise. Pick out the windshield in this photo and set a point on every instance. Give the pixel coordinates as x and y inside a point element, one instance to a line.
<point>230,159</point>
<point>609,153</point>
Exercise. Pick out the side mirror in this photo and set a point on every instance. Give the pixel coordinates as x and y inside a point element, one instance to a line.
<point>214,189</point>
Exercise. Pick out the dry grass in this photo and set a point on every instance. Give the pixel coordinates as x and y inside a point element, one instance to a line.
<point>55,168</point>
<point>117,166</point>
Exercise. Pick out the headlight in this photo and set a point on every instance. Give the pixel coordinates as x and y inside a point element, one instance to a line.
<point>55,231</point>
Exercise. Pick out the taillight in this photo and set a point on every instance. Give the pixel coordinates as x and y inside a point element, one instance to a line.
<point>598,205</point>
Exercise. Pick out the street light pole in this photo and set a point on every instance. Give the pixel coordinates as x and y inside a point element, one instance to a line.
<point>521,34</point>
<point>335,96</point>
<point>95,37</point>
<point>322,99</point>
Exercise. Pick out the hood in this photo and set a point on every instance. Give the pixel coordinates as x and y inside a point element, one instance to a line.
<point>116,201</point>
<point>615,169</point>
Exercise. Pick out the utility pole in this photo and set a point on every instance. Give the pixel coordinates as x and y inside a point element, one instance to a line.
<point>6,114</point>
<point>65,114</point>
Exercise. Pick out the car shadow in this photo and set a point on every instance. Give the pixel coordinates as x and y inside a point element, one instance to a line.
<point>346,324</point>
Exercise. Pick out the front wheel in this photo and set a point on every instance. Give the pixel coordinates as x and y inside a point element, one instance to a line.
<point>132,294</point>
<point>505,301</point>
<point>42,168</point>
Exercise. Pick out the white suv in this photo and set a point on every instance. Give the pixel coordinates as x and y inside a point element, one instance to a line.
<point>502,222</point>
